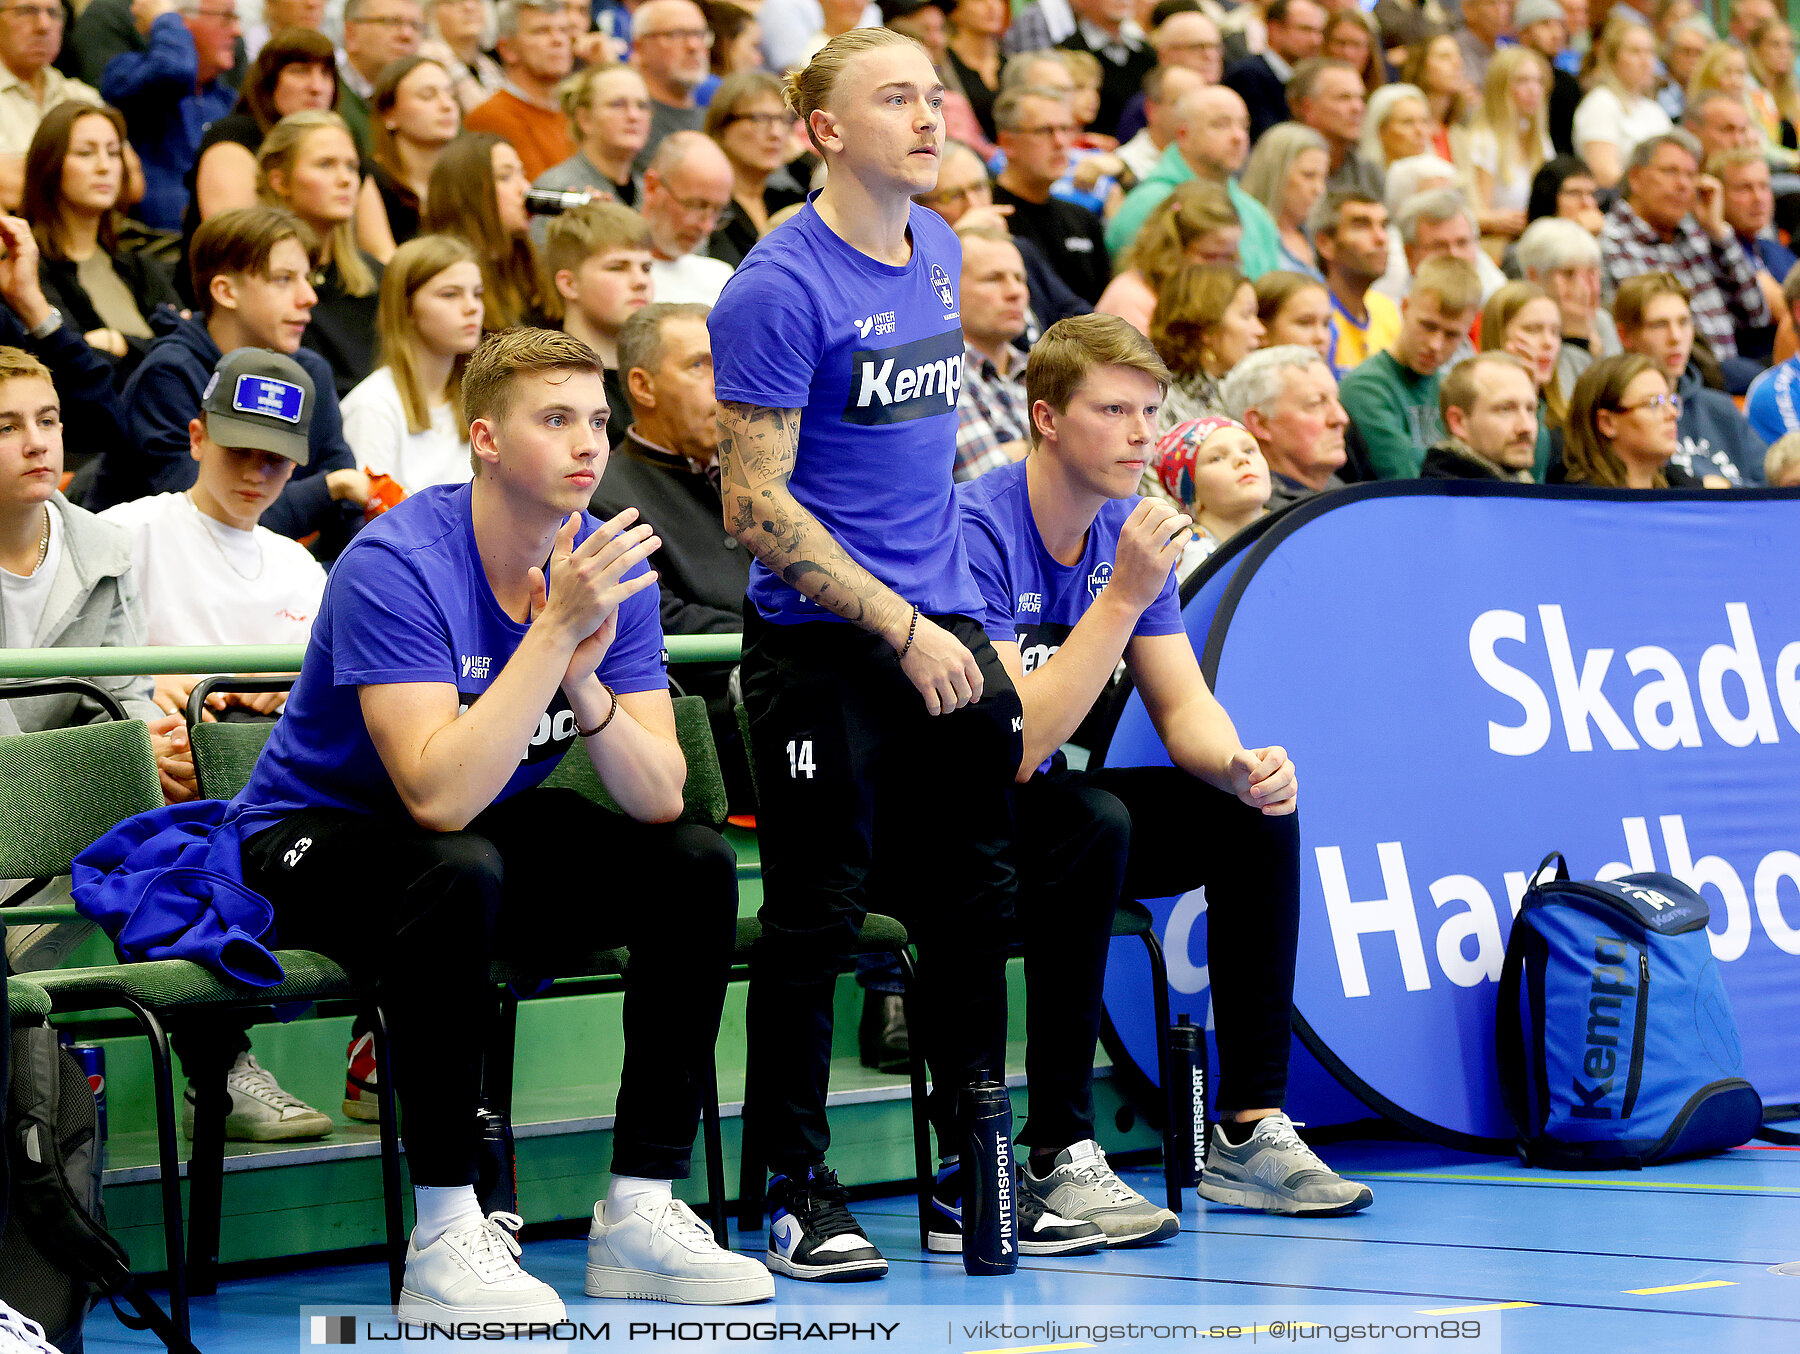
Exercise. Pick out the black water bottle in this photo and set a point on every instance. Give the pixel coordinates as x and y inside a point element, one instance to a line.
<point>990,1220</point>
<point>496,1167</point>
<point>1187,1099</point>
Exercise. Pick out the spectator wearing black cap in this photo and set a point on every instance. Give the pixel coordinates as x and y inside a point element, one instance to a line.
<point>208,572</point>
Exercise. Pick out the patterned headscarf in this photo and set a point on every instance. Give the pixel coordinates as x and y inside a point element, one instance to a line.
<point>1177,450</point>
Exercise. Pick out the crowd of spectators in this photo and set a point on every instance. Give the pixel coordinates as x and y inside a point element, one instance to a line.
<point>1524,240</point>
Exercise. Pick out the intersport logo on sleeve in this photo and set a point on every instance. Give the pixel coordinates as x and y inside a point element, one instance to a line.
<point>920,379</point>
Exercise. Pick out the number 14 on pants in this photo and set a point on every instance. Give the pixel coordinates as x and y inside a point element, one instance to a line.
<point>800,759</point>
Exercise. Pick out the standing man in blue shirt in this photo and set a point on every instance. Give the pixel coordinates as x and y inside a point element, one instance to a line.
<point>1077,572</point>
<point>397,822</point>
<point>873,693</point>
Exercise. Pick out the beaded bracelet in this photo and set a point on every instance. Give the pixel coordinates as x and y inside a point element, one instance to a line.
<point>911,631</point>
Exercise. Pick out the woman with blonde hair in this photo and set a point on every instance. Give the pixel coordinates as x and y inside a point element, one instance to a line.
<point>1194,224</point>
<point>608,109</point>
<point>1205,323</point>
<point>1724,68</point>
<point>1286,172</point>
<point>1508,141</point>
<point>406,419</point>
<point>1435,67</point>
<point>308,164</point>
<point>1774,92</point>
<point>1396,125</point>
<point>1621,428</point>
<point>478,189</point>
<point>1618,111</point>
<point>1523,319</point>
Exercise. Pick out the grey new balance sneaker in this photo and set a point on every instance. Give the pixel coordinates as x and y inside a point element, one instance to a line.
<point>1081,1187</point>
<point>1276,1172</point>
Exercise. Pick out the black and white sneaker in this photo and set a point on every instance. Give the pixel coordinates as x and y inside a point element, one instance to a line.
<point>812,1235</point>
<point>1041,1232</point>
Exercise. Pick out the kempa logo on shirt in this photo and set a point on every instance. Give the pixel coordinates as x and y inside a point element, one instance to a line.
<point>916,380</point>
<point>475,666</point>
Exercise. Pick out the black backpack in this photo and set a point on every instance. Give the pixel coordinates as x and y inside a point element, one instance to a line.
<point>56,1256</point>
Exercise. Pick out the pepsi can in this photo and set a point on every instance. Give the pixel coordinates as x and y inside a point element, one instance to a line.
<point>92,1059</point>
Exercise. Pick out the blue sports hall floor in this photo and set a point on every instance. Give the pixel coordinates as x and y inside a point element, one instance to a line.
<point>1489,1254</point>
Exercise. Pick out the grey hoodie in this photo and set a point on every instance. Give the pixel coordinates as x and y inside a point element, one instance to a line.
<point>93,602</point>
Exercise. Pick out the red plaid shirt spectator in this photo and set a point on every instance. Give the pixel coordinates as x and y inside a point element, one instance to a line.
<point>1719,276</point>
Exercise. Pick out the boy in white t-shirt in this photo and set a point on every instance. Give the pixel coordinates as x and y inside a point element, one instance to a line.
<point>208,574</point>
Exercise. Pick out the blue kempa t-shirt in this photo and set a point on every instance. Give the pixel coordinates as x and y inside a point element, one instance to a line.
<point>873,356</point>
<point>1028,596</point>
<point>408,602</point>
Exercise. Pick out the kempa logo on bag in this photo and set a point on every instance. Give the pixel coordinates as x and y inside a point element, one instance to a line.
<point>1611,985</point>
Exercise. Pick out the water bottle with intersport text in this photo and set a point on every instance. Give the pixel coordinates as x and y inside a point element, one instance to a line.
<point>1187,1098</point>
<point>990,1217</point>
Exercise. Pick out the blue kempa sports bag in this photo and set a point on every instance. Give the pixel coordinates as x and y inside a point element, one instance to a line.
<point>1616,1044</point>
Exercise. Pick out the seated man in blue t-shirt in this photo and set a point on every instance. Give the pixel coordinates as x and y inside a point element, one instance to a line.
<point>397,822</point>
<point>1076,572</point>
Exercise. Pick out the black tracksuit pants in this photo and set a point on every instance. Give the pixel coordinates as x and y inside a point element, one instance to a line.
<point>851,765</point>
<point>541,878</point>
<point>1087,840</point>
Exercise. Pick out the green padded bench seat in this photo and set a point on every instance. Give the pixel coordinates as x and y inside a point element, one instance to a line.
<point>163,984</point>
<point>26,1002</point>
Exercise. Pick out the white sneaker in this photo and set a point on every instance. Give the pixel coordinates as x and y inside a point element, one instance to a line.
<point>471,1273</point>
<point>662,1251</point>
<point>21,1335</point>
<point>260,1110</point>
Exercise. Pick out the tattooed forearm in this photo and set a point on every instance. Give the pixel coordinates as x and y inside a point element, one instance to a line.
<point>757,449</point>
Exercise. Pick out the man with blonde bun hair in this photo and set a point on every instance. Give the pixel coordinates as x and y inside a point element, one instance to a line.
<point>868,680</point>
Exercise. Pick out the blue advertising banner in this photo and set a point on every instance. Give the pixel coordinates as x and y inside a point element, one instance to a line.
<point>1468,677</point>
